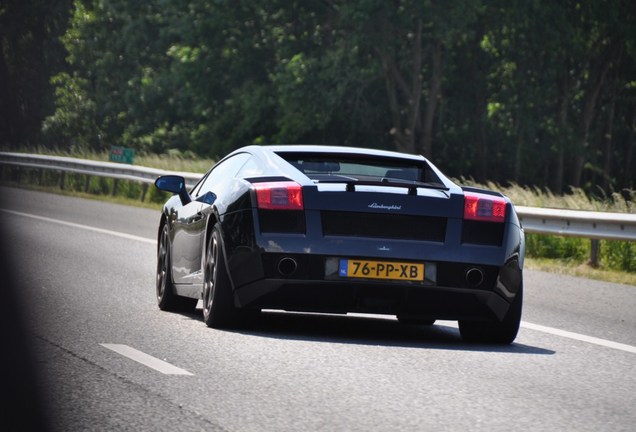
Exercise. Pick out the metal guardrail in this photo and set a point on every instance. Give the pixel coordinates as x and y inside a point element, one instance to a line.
<point>575,223</point>
<point>578,223</point>
<point>94,168</point>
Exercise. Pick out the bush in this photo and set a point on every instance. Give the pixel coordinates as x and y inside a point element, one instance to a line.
<point>618,255</point>
<point>557,247</point>
<point>614,254</point>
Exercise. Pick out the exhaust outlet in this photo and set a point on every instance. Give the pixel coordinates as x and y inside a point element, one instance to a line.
<point>474,277</point>
<point>287,266</point>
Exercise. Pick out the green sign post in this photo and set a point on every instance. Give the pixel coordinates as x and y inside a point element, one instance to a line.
<point>122,155</point>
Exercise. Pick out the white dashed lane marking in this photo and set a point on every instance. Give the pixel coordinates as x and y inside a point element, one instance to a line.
<point>84,227</point>
<point>146,359</point>
<point>527,325</point>
<point>580,337</point>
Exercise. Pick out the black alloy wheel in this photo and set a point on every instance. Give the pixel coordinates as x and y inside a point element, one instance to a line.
<point>167,300</point>
<point>218,306</point>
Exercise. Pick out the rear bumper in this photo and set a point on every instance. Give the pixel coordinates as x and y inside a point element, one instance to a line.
<point>260,282</point>
<point>333,297</point>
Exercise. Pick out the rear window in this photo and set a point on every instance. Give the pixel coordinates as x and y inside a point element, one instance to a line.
<point>353,167</point>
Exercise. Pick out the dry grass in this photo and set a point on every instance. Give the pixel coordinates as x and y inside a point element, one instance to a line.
<point>575,199</point>
<point>174,161</point>
<point>567,267</point>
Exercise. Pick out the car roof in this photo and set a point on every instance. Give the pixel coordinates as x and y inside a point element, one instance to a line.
<point>272,155</point>
<point>311,148</point>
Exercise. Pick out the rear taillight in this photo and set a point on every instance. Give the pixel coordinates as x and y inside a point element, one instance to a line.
<point>483,207</point>
<point>279,196</point>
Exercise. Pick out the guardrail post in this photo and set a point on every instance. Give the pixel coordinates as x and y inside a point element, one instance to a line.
<point>144,190</point>
<point>115,183</point>
<point>62,179</point>
<point>594,253</point>
<point>87,184</point>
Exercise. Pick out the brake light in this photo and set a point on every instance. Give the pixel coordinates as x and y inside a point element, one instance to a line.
<point>279,196</point>
<point>483,207</point>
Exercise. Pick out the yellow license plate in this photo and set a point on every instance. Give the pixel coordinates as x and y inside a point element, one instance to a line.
<point>390,270</point>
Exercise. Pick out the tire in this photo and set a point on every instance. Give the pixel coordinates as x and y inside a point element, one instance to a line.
<point>167,300</point>
<point>218,304</point>
<point>503,332</point>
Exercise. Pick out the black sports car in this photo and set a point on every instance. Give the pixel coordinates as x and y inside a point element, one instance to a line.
<point>337,230</point>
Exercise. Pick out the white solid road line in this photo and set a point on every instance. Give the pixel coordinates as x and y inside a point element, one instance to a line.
<point>85,227</point>
<point>580,337</point>
<point>146,360</point>
<point>536,327</point>
<point>530,326</point>
<point>567,334</point>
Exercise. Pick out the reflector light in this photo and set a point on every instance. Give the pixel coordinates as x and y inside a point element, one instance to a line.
<point>483,207</point>
<point>279,196</point>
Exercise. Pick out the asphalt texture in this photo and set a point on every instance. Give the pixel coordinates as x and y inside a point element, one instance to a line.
<point>69,288</point>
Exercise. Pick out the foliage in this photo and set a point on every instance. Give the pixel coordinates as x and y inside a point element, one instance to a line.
<point>30,53</point>
<point>536,93</point>
<point>619,255</point>
<point>129,192</point>
<point>549,246</point>
<point>615,254</point>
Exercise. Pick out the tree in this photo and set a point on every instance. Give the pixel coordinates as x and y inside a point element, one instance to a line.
<point>29,53</point>
<point>536,92</point>
<point>552,62</point>
<point>410,39</point>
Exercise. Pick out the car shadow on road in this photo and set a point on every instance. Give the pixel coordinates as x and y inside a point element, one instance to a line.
<point>371,330</point>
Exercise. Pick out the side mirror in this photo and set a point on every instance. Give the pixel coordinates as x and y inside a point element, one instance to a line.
<point>174,184</point>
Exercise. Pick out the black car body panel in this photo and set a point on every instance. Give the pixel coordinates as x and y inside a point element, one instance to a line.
<point>300,258</point>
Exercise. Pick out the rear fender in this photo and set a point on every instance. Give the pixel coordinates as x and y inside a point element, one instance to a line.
<point>162,222</point>
<point>213,220</point>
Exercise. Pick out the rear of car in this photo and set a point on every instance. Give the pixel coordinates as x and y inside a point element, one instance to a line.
<point>344,230</point>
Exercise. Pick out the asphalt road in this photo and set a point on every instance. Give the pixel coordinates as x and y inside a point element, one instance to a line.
<point>84,272</point>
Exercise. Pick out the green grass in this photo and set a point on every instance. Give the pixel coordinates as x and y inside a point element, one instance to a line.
<point>117,199</point>
<point>580,269</point>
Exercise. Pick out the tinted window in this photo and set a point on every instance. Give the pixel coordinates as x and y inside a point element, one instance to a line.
<point>324,166</point>
<point>221,173</point>
<point>251,168</point>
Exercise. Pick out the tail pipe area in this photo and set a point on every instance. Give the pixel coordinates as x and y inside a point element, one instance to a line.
<point>287,266</point>
<point>474,277</point>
